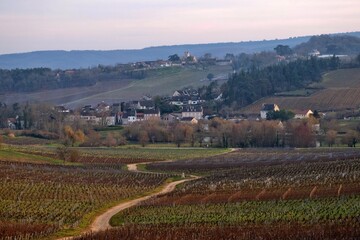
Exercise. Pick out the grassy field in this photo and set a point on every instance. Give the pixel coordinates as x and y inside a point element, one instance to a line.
<point>342,88</point>
<point>125,155</point>
<point>159,82</point>
<point>8,154</point>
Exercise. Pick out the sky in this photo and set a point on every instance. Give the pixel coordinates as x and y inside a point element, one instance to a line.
<point>32,25</point>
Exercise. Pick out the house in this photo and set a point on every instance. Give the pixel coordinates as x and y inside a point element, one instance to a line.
<point>132,105</point>
<point>147,104</point>
<point>89,119</point>
<point>179,93</point>
<point>151,114</point>
<point>185,100</point>
<point>131,116</point>
<point>186,92</point>
<point>139,116</point>
<point>191,120</point>
<point>115,108</point>
<point>171,117</point>
<point>179,100</point>
<point>266,107</point>
<point>302,114</point>
<point>61,109</point>
<point>12,123</point>
<point>194,111</point>
<point>102,107</point>
<point>314,53</point>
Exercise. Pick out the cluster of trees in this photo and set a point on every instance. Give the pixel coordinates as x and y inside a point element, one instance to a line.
<point>245,87</point>
<point>28,80</point>
<point>282,115</point>
<point>31,116</point>
<point>327,44</point>
<point>222,133</point>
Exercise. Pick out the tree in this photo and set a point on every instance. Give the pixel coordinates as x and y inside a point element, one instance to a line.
<point>143,138</point>
<point>351,138</point>
<point>66,154</point>
<point>62,152</point>
<point>301,134</point>
<point>210,76</point>
<point>74,155</point>
<point>179,134</point>
<point>282,115</point>
<point>283,50</point>
<point>72,137</point>
<point>110,141</point>
<point>331,137</point>
<point>207,56</point>
<point>174,58</point>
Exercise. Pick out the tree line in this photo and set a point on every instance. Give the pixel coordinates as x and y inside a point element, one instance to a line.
<point>249,85</point>
<point>35,79</point>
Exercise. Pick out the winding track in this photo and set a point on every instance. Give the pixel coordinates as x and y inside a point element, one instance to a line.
<point>102,222</point>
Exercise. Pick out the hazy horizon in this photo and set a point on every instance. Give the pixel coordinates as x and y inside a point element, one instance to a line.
<point>117,24</point>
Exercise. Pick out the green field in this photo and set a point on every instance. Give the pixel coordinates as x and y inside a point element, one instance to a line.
<point>159,82</point>
<point>311,211</point>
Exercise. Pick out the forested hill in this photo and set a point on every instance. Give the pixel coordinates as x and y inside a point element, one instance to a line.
<point>246,87</point>
<point>328,44</point>
<point>84,59</point>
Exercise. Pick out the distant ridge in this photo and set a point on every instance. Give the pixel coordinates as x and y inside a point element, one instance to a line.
<point>87,58</point>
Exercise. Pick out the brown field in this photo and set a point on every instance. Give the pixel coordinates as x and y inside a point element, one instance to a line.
<point>342,91</point>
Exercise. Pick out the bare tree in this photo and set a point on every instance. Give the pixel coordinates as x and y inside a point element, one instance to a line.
<point>330,137</point>
<point>351,138</point>
<point>143,138</point>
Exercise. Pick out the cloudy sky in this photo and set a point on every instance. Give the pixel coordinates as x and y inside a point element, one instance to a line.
<point>29,25</point>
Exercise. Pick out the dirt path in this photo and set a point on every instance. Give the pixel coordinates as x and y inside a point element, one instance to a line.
<point>101,222</point>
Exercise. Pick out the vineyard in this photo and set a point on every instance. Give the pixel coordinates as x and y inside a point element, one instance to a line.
<point>345,230</point>
<point>243,194</point>
<point>126,155</point>
<point>256,157</point>
<point>43,199</point>
<point>302,190</point>
<point>341,91</point>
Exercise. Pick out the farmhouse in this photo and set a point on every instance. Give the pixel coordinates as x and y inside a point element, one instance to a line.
<point>191,120</point>
<point>302,114</point>
<point>194,111</point>
<point>151,114</point>
<point>266,107</point>
<point>171,117</point>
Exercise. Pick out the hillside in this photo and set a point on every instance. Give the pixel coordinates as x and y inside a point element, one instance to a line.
<point>341,91</point>
<point>84,59</point>
<point>327,44</point>
<point>163,82</point>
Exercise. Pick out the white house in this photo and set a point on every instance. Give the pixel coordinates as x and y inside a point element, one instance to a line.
<point>194,111</point>
<point>266,107</point>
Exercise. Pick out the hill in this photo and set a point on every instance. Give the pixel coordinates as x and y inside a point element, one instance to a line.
<point>84,59</point>
<point>328,44</point>
<point>161,82</point>
<point>341,91</point>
